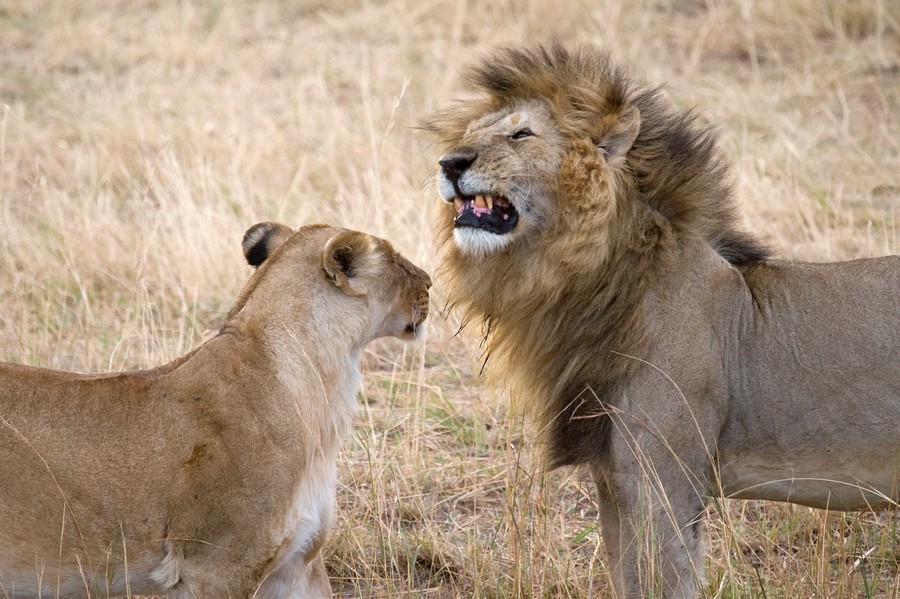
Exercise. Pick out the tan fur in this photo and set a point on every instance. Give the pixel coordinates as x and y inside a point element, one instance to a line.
<point>212,476</point>
<point>648,335</point>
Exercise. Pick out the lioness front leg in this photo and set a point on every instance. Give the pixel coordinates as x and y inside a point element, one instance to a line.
<point>319,586</point>
<point>300,580</point>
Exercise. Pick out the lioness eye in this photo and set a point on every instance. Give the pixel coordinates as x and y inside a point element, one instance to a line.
<point>522,133</point>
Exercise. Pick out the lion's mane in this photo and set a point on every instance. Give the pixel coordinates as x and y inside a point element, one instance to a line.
<point>563,317</point>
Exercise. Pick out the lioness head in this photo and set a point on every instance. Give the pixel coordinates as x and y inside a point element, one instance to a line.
<point>379,285</point>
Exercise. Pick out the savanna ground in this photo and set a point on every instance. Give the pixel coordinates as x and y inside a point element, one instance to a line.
<point>139,139</point>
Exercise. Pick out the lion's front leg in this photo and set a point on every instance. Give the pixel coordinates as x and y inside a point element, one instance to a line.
<point>651,507</point>
<point>609,522</point>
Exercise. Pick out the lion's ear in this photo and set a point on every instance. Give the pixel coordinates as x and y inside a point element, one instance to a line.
<point>350,261</point>
<point>262,239</point>
<point>621,135</point>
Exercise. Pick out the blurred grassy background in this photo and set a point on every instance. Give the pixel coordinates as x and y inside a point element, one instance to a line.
<point>139,139</point>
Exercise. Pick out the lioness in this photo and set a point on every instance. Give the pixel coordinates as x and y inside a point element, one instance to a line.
<point>213,476</point>
<point>591,229</point>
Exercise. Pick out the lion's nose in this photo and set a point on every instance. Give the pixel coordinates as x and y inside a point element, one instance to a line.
<point>456,163</point>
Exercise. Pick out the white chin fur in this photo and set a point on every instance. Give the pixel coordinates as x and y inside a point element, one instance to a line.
<point>476,242</point>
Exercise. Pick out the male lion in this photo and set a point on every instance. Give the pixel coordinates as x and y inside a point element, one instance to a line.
<point>213,476</point>
<point>591,229</point>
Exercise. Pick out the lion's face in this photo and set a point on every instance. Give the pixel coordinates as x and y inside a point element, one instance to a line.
<point>499,180</point>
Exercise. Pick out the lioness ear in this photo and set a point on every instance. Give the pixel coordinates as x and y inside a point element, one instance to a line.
<point>621,135</point>
<point>350,261</point>
<point>262,239</point>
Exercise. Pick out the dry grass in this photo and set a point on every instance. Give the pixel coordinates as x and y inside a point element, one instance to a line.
<point>139,139</point>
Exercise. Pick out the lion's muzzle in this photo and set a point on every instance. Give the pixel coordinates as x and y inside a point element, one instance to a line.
<point>454,164</point>
<point>477,206</point>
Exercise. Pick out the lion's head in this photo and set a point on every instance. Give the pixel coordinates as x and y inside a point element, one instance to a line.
<point>500,177</point>
<point>564,186</point>
<point>561,139</point>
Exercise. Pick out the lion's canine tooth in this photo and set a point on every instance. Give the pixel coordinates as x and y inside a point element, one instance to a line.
<point>489,200</point>
<point>458,203</point>
<point>479,202</point>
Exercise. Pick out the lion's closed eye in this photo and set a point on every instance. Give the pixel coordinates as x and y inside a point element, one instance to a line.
<point>522,134</point>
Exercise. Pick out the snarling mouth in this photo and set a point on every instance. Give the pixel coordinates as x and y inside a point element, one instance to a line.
<point>490,213</point>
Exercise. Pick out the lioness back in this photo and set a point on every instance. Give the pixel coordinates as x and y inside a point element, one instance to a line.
<point>212,476</point>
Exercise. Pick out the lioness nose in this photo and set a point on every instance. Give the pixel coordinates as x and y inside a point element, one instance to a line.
<point>456,163</point>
